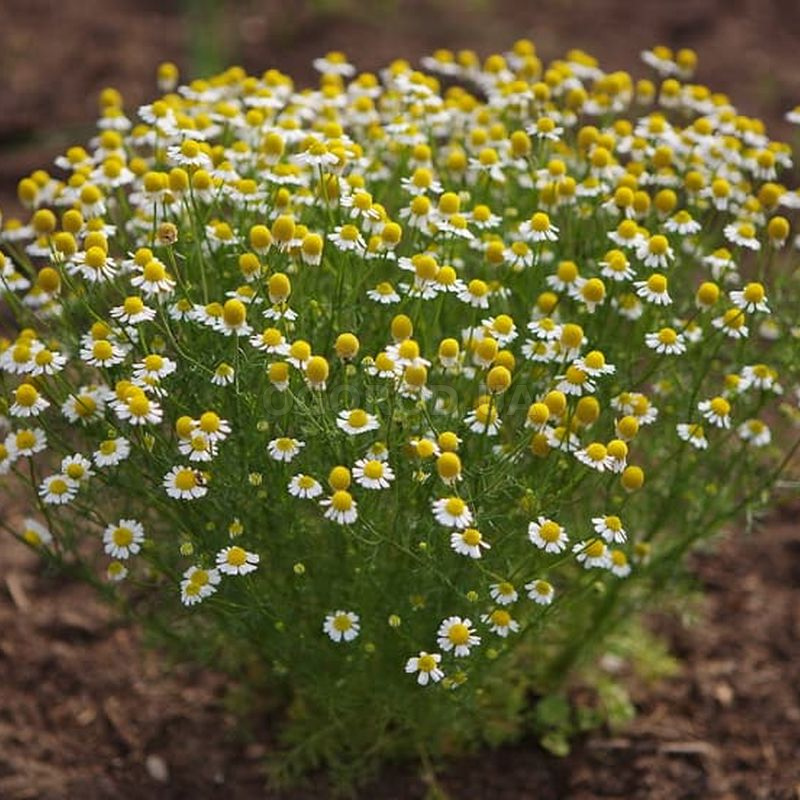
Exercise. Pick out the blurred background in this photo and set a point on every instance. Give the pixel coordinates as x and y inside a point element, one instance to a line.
<point>56,55</point>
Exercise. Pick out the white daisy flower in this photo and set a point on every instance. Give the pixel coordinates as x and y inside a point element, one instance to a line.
<point>138,409</point>
<point>742,234</point>
<point>340,507</point>
<point>304,487</point>
<point>457,635</point>
<point>752,298</point>
<point>540,591</point>
<point>539,228</point>
<point>452,512</point>
<point>341,626</point>
<point>198,447</point>
<point>123,538</point>
<point>373,473</point>
<point>284,448</point>
<point>593,554</point>
<point>500,622</point>
<point>484,419</point>
<point>77,467</point>
<point>666,341</point>
<point>717,411</point>
<point>468,542</point>
<point>235,560</point>
<point>548,535</point>
<point>26,442</point>
<point>111,452</point>
<point>198,584</point>
<point>693,434</point>
<point>610,528</point>
<point>133,311</point>
<point>383,293</point>
<point>619,565</point>
<point>356,421</point>
<point>594,456</point>
<point>36,534</point>
<point>184,483</point>
<point>426,665</point>
<point>58,489</point>
<point>654,289</point>
<point>503,593</point>
<point>102,353</point>
<point>756,432</point>
<point>28,402</point>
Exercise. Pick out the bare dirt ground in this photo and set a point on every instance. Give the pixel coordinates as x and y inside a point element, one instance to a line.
<point>86,711</point>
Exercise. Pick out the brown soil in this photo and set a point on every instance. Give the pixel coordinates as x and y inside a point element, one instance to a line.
<point>86,711</point>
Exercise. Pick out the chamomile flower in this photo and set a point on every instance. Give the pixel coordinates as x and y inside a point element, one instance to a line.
<point>548,535</point>
<point>540,591</point>
<point>35,534</point>
<point>340,507</point>
<point>58,490</point>
<point>755,432</point>
<point>133,311</point>
<point>483,419</point>
<point>475,294</point>
<point>426,665</point>
<point>717,411</point>
<point>500,622</point>
<point>138,409</point>
<point>284,448</point>
<point>28,402</point>
<point>654,290</point>
<point>342,626</point>
<point>305,487</point>
<point>610,528</point>
<point>666,341</point>
<point>77,468</point>
<point>356,421</point>
<point>372,473</point>
<point>593,554</point>
<point>123,539</point>
<point>102,353</point>
<point>185,483</point>
<point>742,234</point>
<point>26,442</point>
<point>619,564</point>
<point>692,433</point>
<point>235,560</point>
<point>452,512</point>
<point>198,584</point>
<point>538,229</point>
<point>111,452</point>
<point>503,593</point>
<point>457,635</point>
<point>468,542</point>
<point>383,293</point>
<point>752,298</point>
<point>732,323</point>
<point>595,456</point>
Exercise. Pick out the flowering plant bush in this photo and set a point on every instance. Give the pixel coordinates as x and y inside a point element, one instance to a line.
<point>402,398</point>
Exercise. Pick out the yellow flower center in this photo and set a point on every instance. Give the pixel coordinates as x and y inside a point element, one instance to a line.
<point>342,500</point>
<point>122,536</point>
<point>458,634</point>
<point>185,480</point>
<point>236,556</point>
<point>550,531</point>
<point>373,469</point>
<point>472,537</point>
